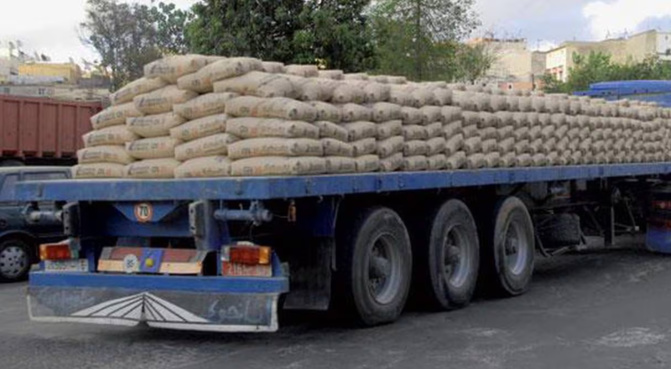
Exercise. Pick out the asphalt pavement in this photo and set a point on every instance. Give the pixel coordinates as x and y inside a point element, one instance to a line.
<point>596,309</point>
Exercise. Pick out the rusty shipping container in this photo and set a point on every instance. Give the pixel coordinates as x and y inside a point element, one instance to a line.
<point>42,131</point>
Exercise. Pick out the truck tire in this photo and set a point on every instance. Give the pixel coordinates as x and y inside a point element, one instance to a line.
<point>447,257</point>
<point>373,266</point>
<point>508,249</point>
<point>11,163</point>
<point>558,230</point>
<point>14,260</point>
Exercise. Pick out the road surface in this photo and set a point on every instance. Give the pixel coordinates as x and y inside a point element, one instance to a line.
<point>598,309</point>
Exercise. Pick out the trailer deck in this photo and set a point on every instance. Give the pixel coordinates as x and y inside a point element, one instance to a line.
<point>266,188</point>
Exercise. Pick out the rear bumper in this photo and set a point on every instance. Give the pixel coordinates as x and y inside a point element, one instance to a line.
<point>220,304</point>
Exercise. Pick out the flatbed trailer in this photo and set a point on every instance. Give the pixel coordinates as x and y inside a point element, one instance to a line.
<point>168,252</point>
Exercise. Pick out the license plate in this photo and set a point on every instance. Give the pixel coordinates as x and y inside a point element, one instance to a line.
<point>66,266</point>
<point>242,270</point>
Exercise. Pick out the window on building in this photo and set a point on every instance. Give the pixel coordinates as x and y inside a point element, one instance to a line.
<point>41,91</point>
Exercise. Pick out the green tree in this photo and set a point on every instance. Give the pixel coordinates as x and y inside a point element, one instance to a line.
<point>128,36</point>
<point>472,62</point>
<point>418,38</point>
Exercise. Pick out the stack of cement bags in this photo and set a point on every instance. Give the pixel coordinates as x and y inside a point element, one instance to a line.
<point>197,116</point>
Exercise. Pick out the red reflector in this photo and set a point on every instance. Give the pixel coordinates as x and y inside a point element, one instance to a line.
<point>661,205</point>
<point>57,251</point>
<point>246,254</point>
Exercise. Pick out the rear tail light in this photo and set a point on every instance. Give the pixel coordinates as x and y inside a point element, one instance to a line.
<point>55,251</point>
<point>661,205</point>
<point>247,254</point>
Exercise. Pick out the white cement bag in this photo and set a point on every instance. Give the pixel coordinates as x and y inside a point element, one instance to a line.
<point>391,163</point>
<point>229,68</point>
<point>431,114</point>
<point>414,148</point>
<point>383,112</point>
<point>153,148</point>
<point>450,114</point>
<point>345,93</point>
<point>390,146</point>
<point>152,169</point>
<point>454,144</point>
<point>276,107</point>
<point>137,87</point>
<point>453,129</point>
<point>207,146</point>
<point>259,84</point>
<point>415,163</point>
<point>415,132</point>
<point>376,92</point>
<point>162,100</point>
<point>197,82</point>
<point>434,130</point>
<point>278,166</point>
<point>456,161</point>
<point>367,146</point>
<point>339,164</point>
<point>331,74</point>
<point>204,105</point>
<point>273,67</point>
<point>104,154</point>
<point>327,112</point>
<point>437,162</point>
<point>354,112</point>
<point>367,163</point>
<point>436,146</point>
<point>411,116</point>
<point>332,130</point>
<point>359,130</point>
<point>302,70</point>
<point>98,170</point>
<point>269,127</point>
<point>154,125</point>
<point>202,127</point>
<point>476,161</point>
<point>115,135</point>
<point>205,167</point>
<point>389,129</point>
<point>334,147</point>
<point>275,147</point>
<point>114,116</point>
<point>442,96</point>
<point>172,67</point>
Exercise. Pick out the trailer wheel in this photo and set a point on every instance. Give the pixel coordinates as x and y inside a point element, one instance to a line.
<point>14,260</point>
<point>448,245</point>
<point>508,255</point>
<point>374,266</point>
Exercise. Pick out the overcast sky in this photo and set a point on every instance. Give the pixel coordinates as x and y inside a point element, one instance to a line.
<point>50,26</point>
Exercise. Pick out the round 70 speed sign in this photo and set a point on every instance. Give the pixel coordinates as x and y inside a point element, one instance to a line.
<point>144,212</point>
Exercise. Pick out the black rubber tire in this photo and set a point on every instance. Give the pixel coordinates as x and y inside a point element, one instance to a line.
<point>431,288</point>
<point>11,163</point>
<point>497,277</point>
<point>558,230</point>
<point>25,268</point>
<point>356,237</point>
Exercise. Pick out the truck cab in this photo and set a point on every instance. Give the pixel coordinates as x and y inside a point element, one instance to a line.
<point>20,236</point>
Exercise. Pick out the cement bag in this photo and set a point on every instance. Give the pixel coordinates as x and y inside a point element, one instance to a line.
<point>390,146</point>
<point>431,114</point>
<point>507,160</point>
<point>137,87</point>
<point>312,89</point>
<point>414,148</point>
<point>276,107</point>
<point>423,97</point>
<point>536,146</point>
<point>204,105</point>
<point>114,116</point>
<point>522,147</point>
<point>551,105</point>
<point>334,147</point>
<point>397,80</point>
<point>558,119</point>
<point>275,147</point>
<point>162,100</point>
<point>331,74</point>
<point>415,163</point>
<point>453,129</point>
<point>540,160</point>
<point>456,161</point>
<point>355,77</point>
<point>268,127</point>
<point>360,130</point>
<point>389,129</point>
<point>367,164</point>
<point>302,70</point>
<point>498,102</point>
<point>154,125</point>
<point>344,94</point>
<point>354,112</point>
<point>207,146</point>
<point>471,118</point>
<point>454,144</point>
<point>272,67</point>
<point>442,96</point>
<point>434,130</point>
<point>153,148</point>
<point>472,145</point>
<point>327,112</point>
<point>367,146</point>
<point>547,132</point>
<point>391,163</point>
<point>99,170</point>
<point>383,112</point>
<point>401,98</point>
<point>172,67</point>
<point>340,165</point>
<point>521,134</point>
<point>116,135</point>
<point>152,169</point>
<point>504,118</point>
<point>482,102</point>
<point>104,154</point>
<point>197,82</point>
<point>470,131</point>
<point>376,92</point>
<point>488,133</point>
<point>492,160</point>
<point>506,145</point>
<point>410,115</point>
<point>437,162</point>
<point>489,145</point>
<point>523,160</point>
<point>229,68</point>
<point>198,128</point>
<point>524,104</point>
<point>450,114</point>
<point>206,167</point>
<point>476,161</point>
<point>278,166</point>
<point>512,103</point>
<point>415,132</point>
<point>332,130</point>
<point>436,146</point>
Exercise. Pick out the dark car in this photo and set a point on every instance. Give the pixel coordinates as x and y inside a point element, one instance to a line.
<point>19,238</point>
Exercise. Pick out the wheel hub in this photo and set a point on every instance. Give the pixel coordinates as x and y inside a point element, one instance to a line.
<point>13,261</point>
